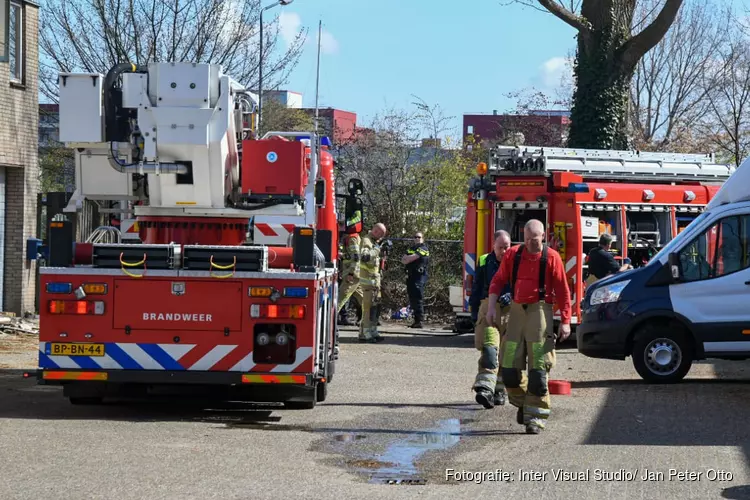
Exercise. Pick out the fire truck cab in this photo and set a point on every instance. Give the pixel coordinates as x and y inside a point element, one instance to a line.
<point>644,200</point>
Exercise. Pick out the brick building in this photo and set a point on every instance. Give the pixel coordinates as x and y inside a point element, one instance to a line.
<point>338,125</point>
<point>540,127</point>
<point>19,159</point>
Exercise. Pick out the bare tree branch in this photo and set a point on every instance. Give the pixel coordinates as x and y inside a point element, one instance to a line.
<point>564,14</point>
<point>94,35</point>
<point>634,49</point>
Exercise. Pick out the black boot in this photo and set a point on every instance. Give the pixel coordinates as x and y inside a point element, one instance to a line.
<point>500,398</point>
<point>519,416</point>
<point>484,398</point>
<point>533,429</point>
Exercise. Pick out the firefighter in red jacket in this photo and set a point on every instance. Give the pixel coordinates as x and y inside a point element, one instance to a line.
<point>536,274</point>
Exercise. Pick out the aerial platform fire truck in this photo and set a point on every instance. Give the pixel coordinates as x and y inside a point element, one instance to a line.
<point>642,199</point>
<point>231,290</point>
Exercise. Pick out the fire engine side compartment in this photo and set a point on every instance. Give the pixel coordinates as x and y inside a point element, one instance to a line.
<point>188,332</point>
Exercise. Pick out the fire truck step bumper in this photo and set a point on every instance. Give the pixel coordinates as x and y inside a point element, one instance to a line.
<point>55,377</point>
<point>226,386</point>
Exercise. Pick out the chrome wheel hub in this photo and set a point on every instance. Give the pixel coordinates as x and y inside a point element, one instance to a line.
<point>662,356</point>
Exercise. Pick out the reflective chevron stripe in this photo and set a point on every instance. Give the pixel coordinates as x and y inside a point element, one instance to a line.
<point>173,357</point>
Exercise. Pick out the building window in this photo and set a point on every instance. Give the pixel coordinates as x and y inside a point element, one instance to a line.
<point>15,42</point>
<point>470,129</point>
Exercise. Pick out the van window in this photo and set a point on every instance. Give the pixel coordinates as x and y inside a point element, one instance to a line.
<point>722,249</point>
<point>677,240</point>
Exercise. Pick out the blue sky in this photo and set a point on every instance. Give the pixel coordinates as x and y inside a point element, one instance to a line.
<point>462,56</point>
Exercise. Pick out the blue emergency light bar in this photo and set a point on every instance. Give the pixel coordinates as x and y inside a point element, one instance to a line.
<point>324,141</point>
<point>295,292</point>
<point>578,187</point>
<point>59,287</point>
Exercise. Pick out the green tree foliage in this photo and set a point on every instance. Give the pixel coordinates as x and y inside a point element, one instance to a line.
<point>279,118</point>
<point>53,161</point>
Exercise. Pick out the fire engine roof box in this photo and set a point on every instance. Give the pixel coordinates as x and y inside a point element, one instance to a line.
<point>276,169</point>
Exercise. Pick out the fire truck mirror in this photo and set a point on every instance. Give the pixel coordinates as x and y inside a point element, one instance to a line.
<point>355,187</point>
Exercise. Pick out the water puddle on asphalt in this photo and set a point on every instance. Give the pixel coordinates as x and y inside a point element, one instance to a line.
<point>397,464</point>
<point>375,453</point>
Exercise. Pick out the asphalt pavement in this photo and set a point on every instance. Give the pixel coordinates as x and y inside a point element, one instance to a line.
<point>399,421</point>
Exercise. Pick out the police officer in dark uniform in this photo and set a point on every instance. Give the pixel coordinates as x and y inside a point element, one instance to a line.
<point>416,261</point>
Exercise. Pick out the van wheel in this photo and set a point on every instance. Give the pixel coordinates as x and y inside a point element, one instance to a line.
<point>662,354</point>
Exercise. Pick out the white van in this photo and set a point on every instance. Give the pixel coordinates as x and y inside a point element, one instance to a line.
<point>690,302</point>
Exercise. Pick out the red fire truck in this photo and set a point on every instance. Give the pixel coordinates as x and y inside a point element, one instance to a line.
<point>642,199</point>
<point>231,290</point>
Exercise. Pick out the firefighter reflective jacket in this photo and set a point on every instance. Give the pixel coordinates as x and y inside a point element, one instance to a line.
<point>370,262</point>
<point>350,264</point>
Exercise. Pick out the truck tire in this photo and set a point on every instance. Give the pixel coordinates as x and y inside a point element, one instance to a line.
<point>321,391</point>
<point>662,354</point>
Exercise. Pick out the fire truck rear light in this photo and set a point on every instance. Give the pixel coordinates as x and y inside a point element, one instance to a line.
<point>296,292</point>
<point>59,287</point>
<point>276,311</point>
<point>95,288</point>
<point>260,291</point>
<point>76,307</point>
<point>578,187</point>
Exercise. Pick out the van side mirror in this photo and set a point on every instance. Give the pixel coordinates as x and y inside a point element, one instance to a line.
<point>674,265</point>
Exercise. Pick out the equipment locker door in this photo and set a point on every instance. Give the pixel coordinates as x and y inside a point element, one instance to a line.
<point>715,283</point>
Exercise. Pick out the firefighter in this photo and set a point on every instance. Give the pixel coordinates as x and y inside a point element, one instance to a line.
<point>416,261</point>
<point>370,257</point>
<point>536,274</point>
<point>350,263</point>
<point>601,261</point>
<point>487,385</point>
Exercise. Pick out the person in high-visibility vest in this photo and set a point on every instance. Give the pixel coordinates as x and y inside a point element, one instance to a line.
<point>369,279</point>
<point>536,274</point>
<point>489,388</point>
<point>350,263</point>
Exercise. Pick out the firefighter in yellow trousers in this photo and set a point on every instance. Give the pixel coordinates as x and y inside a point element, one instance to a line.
<point>530,334</point>
<point>370,255</point>
<point>350,264</point>
<point>488,386</point>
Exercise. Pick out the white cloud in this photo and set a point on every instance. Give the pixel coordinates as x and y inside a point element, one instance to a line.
<point>328,43</point>
<point>290,24</point>
<point>554,70</point>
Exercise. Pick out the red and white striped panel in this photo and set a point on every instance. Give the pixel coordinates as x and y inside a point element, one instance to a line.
<point>272,234</point>
<point>235,358</point>
<point>570,274</point>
